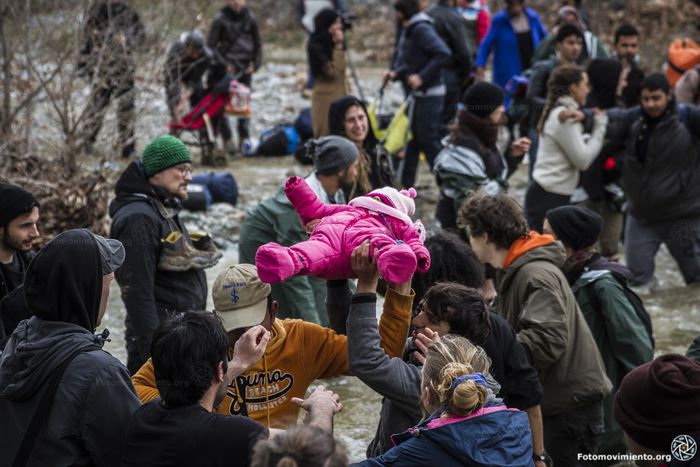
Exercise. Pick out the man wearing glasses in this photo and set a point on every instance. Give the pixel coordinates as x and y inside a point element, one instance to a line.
<point>164,269</point>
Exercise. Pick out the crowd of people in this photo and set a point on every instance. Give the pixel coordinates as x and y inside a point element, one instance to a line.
<point>522,341</point>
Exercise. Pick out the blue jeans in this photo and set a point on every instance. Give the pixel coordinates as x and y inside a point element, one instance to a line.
<point>642,242</point>
<point>426,136</point>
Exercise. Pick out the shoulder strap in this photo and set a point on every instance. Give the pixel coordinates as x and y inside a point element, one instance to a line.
<point>37,421</point>
<point>683,115</point>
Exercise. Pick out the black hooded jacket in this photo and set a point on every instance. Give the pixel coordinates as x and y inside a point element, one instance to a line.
<point>320,48</point>
<point>95,398</point>
<point>234,38</point>
<point>661,174</point>
<point>380,171</point>
<point>148,292</point>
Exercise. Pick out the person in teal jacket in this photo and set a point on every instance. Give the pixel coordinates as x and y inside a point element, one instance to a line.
<point>513,38</point>
<point>621,337</point>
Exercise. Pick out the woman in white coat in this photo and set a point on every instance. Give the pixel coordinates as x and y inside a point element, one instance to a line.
<point>564,149</point>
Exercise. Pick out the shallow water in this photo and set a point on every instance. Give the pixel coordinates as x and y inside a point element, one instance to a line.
<point>675,309</point>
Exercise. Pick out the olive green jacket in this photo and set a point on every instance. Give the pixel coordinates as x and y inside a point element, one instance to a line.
<point>535,298</point>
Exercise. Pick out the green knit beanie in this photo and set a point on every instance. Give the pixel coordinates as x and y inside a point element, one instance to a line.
<point>162,153</point>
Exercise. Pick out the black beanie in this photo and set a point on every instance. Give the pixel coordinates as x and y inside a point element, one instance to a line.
<point>14,202</point>
<point>482,99</point>
<point>660,400</point>
<point>574,226</point>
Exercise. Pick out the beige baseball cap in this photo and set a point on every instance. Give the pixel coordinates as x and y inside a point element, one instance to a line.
<point>240,297</point>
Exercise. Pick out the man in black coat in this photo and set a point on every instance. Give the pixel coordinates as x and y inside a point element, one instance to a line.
<point>661,178</point>
<point>53,370</point>
<point>453,31</point>
<point>19,215</point>
<point>112,34</point>
<point>164,272</point>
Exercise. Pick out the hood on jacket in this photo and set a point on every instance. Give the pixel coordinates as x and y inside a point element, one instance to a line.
<point>63,289</point>
<point>461,160</point>
<point>35,350</point>
<point>419,18</point>
<point>231,13</point>
<point>336,120</point>
<point>470,441</point>
<point>534,246</point>
<point>64,280</point>
<point>604,74</point>
<point>475,447</point>
<point>278,334</point>
<point>133,186</point>
<point>320,44</point>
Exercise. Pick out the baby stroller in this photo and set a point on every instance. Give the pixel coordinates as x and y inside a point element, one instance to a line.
<point>227,97</point>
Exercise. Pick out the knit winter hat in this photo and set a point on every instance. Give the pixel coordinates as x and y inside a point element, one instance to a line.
<point>574,226</point>
<point>162,153</point>
<point>14,202</point>
<point>660,400</point>
<point>482,99</point>
<point>389,201</point>
<point>399,200</point>
<point>331,154</point>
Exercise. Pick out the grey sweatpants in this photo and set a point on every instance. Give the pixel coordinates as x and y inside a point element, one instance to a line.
<point>642,242</point>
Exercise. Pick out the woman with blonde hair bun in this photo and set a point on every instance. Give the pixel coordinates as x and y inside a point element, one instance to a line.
<point>467,425</point>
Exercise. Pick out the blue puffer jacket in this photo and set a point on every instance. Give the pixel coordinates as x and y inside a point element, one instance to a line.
<point>501,39</point>
<point>497,437</point>
<point>421,51</point>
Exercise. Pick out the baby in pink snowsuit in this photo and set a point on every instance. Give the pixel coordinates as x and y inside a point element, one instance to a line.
<point>382,217</point>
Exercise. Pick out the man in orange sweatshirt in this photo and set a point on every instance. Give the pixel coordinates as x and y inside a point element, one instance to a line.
<point>297,354</point>
<point>536,300</point>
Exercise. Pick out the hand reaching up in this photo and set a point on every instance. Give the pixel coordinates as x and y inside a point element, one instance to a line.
<point>248,350</point>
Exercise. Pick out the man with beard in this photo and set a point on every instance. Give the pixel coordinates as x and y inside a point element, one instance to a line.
<point>275,220</point>
<point>19,214</point>
<point>164,269</point>
<point>63,399</point>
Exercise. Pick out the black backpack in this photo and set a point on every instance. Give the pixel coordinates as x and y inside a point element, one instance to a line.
<point>633,298</point>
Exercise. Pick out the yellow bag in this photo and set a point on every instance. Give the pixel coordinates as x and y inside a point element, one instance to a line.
<point>399,132</point>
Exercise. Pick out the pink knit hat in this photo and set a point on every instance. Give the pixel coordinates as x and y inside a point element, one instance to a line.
<point>390,201</point>
<point>400,200</point>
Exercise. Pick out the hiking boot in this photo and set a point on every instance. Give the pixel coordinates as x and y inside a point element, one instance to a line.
<point>178,254</point>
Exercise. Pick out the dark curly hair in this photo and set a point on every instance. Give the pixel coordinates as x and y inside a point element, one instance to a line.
<point>500,216</point>
<point>464,309</point>
<point>451,260</point>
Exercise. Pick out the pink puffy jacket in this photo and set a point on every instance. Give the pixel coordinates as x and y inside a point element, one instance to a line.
<point>397,241</point>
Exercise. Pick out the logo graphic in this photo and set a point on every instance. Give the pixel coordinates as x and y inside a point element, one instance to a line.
<point>684,447</point>
<point>260,391</point>
<point>234,290</point>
